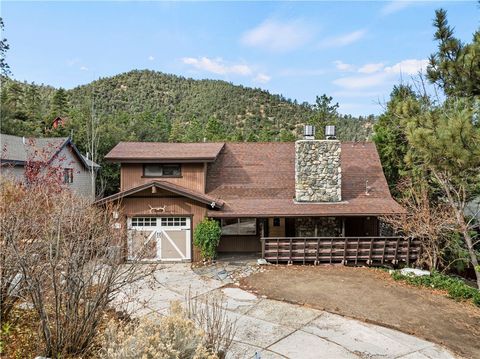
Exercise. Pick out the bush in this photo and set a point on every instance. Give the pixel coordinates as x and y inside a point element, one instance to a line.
<point>455,287</point>
<point>156,337</point>
<point>206,236</point>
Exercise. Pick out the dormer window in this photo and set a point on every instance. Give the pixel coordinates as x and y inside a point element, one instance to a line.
<point>162,170</point>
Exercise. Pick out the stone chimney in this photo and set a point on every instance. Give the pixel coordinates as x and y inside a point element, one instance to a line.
<point>318,174</point>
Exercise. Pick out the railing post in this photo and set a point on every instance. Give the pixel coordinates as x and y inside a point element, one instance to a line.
<point>408,251</point>
<point>263,247</point>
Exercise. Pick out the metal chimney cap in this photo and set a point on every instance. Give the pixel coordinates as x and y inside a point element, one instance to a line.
<point>309,132</point>
<point>330,132</point>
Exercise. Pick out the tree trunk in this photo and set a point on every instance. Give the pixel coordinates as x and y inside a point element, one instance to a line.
<point>473,255</point>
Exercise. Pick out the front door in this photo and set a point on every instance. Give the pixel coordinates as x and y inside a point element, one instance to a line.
<point>159,238</point>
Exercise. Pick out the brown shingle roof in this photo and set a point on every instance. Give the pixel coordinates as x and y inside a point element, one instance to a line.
<point>258,179</point>
<point>164,152</point>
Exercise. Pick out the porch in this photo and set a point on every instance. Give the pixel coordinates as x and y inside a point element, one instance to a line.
<point>350,240</point>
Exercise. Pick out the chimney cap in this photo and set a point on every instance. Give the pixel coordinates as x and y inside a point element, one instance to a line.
<point>330,132</point>
<point>309,132</point>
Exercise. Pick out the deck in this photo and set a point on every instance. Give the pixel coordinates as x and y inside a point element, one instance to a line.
<point>345,250</point>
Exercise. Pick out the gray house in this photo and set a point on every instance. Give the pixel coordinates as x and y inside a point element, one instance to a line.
<point>76,170</point>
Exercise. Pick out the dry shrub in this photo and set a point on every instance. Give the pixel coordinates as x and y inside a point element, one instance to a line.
<point>208,312</point>
<point>156,337</point>
<point>64,250</point>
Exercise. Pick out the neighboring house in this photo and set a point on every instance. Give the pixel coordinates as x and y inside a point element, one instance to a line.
<point>59,152</point>
<point>310,188</point>
<point>59,122</point>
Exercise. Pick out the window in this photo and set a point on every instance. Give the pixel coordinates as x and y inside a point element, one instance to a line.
<point>144,221</point>
<point>276,222</point>
<point>162,170</point>
<point>239,226</point>
<point>68,175</point>
<point>174,221</point>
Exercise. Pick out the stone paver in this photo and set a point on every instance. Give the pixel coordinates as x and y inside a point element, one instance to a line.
<point>271,329</point>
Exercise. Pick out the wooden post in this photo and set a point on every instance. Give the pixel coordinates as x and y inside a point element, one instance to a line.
<point>408,251</point>
<point>304,249</point>
<point>263,247</point>
<point>318,248</point>
<point>290,257</point>
<point>384,248</point>
<point>395,259</point>
<point>358,247</point>
<point>370,254</point>
<point>331,249</point>
<point>345,252</point>
<point>278,248</point>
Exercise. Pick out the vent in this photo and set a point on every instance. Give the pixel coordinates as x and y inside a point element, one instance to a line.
<point>330,132</point>
<point>309,132</point>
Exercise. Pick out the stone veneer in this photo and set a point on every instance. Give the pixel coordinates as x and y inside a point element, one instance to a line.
<point>318,174</point>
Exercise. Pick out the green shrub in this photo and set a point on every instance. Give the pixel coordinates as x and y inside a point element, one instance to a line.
<point>455,287</point>
<point>206,236</point>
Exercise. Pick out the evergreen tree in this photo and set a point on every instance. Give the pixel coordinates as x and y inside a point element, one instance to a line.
<point>389,133</point>
<point>325,113</point>
<point>4,47</point>
<point>214,130</point>
<point>177,133</point>
<point>60,104</point>
<point>455,67</point>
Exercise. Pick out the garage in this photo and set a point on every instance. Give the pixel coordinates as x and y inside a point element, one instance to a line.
<point>159,238</point>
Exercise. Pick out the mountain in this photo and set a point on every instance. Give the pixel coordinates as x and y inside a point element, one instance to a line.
<point>146,105</point>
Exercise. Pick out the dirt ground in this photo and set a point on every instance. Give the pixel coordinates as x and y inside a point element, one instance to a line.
<point>373,296</point>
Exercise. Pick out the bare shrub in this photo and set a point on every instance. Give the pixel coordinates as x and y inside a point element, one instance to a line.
<point>64,249</point>
<point>208,312</point>
<point>432,222</point>
<point>156,337</point>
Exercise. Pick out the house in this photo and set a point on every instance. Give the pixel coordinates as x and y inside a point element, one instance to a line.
<point>59,122</point>
<point>307,189</point>
<point>76,171</point>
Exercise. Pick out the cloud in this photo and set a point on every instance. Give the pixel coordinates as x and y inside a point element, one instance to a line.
<point>344,40</point>
<point>342,66</point>
<point>151,58</point>
<point>262,78</point>
<point>217,66</point>
<point>220,67</point>
<point>408,67</point>
<point>371,68</point>
<point>278,36</point>
<point>83,68</point>
<point>376,74</point>
<point>394,6</point>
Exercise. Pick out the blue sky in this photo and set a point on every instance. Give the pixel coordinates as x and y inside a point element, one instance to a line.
<point>353,51</point>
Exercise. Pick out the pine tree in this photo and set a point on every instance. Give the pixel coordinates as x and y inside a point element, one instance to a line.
<point>60,104</point>
<point>455,67</point>
<point>389,133</point>
<point>325,113</point>
<point>4,47</point>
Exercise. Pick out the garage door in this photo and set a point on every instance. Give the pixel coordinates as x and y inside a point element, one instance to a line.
<point>159,238</point>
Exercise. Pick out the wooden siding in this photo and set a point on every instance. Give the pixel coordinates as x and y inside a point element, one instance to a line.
<point>193,176</point>
<point>132,206</point>
<point>229,244</point>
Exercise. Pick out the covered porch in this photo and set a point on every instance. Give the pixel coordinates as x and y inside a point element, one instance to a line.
<point>346,239</point>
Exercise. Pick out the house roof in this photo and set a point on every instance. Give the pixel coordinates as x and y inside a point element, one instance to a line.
<point>168,186</point>
<point>164,152</point>
<point>258,179</point>
<point>18,150</point>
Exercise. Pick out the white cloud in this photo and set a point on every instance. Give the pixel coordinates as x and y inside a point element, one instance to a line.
<point>217,66</point>
<point>295,72</point>
<point>279,36</point>
<point>394,6</point>
<point>344,40</point>
<point>83,68</point>
<point>371,68</point>
<point>376,74</point>
<point>262,78</point>
<point>342,66</point>
<point>408,67</point>
<point>151,58</point>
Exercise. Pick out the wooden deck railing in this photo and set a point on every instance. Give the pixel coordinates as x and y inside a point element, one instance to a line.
<point>346,250</point>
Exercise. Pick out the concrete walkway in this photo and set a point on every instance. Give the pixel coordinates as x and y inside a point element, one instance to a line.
<point>274,329</point>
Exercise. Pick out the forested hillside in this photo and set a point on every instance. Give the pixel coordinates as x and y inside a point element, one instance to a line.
<point>152,106</point>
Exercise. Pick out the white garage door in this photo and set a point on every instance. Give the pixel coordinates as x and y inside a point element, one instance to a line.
<point>159,238</point>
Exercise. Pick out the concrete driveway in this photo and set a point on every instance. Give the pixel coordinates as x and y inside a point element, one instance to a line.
<point>273,329</point>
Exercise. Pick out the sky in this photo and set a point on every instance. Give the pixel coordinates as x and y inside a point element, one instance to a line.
<point>353,51</point>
